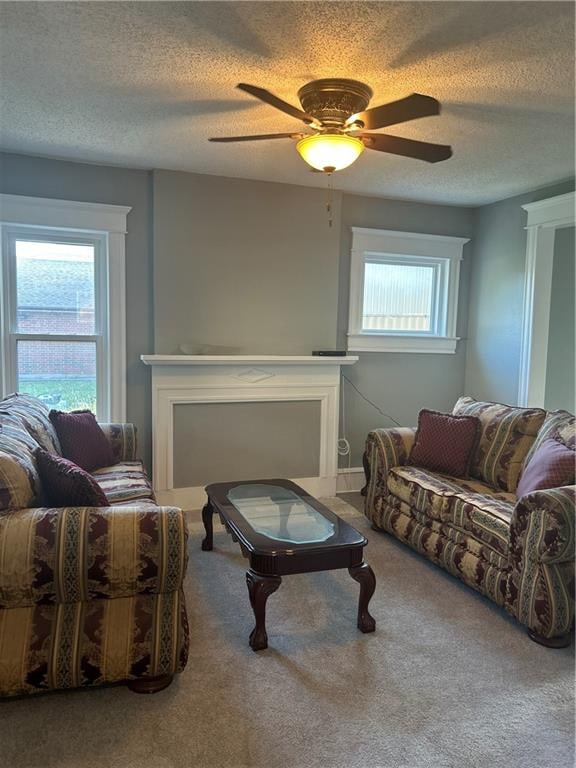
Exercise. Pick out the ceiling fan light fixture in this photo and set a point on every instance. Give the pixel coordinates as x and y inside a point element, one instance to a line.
<point>330,151</point>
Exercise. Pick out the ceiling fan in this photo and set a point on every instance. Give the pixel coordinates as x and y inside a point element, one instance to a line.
<point>336,110</point>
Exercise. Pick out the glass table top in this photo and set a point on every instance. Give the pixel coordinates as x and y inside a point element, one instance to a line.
<point>280,514</point>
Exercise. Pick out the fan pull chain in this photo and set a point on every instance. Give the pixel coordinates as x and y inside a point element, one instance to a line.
<point>329,200</point>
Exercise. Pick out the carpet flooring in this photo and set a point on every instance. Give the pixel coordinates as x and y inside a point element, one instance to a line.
<point>447,680</point>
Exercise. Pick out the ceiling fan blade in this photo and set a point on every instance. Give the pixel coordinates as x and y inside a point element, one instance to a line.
<point>274,101</point>
<point>395,145</point>
<point>258,137</point>
<point>413,106</point>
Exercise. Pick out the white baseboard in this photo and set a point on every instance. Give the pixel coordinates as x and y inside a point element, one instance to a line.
<point>350,480</point>
<point>195,498</point>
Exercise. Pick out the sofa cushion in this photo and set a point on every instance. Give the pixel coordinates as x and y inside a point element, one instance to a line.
<point>468,505</point>
<point>16,488</point>
<point>126,481</point>
<point>82,440</point>
<point>507,434</point>
<point>444,442</point>
<point>16,441</point>
<point>67,485</point>
<point>34,416</point>
<point>551,466</point>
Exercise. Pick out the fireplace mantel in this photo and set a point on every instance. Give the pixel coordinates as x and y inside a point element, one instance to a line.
<point>246,360</point>
<point>189,379</point>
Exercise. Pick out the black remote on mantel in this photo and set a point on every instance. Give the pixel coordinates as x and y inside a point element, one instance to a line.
<point>329,353</point>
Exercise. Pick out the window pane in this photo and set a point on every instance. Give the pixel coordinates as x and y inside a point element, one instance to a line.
<point>54,287</point>
<point>397,297</point>
<point>61,373</point>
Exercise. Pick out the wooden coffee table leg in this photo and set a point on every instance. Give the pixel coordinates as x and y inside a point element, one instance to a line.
<point>364,575</point>
<point>207,514</point>
<point>260,588</point>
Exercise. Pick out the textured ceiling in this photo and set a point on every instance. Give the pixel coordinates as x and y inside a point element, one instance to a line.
<point>146,84</point>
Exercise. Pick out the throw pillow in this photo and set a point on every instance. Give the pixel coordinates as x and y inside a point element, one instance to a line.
<point>506,435</point>
<point>559,425</point>
<point>551,466</point>
<point>66,484</point>
<point>82,439</point>
<point>445,443</point>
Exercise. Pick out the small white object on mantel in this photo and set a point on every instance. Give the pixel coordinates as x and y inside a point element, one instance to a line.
<point>188,379</point>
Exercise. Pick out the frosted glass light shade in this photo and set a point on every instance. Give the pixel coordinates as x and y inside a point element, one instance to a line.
<point>330,151</point>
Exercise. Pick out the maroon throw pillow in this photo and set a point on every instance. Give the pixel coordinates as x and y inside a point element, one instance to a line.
<point>82,440</point>
<point>551,466</point>
<point>67,485</point>
<point>444,442</point>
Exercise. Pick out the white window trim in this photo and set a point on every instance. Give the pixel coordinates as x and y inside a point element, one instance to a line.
<point>444,248</point>
<point>87,218</point>
<point>544,218</point>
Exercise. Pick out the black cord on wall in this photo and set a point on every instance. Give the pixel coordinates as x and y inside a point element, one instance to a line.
<point>363,396</point>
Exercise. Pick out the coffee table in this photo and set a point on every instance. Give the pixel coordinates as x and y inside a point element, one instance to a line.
<point>283,530</point>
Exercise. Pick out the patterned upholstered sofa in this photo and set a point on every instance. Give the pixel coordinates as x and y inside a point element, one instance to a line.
<point>88,595</point>
<point>517,551</point>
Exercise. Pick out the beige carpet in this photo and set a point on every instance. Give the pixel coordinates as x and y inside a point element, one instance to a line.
<point>447,680</point>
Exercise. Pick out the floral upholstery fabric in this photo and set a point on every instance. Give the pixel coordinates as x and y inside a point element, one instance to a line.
<point>520,553</point>
<point>459,553</point>
<point>386,448</point>
<point>33,415</point>
<point>540,589</point>
<point>558,425</point>
<point>468,505</point>
<point>506,436</point>
<point>84,553</point>
<point>141,503</point>
<point>124,482</point>
<point>16,488</point>
<point>68,645</point>
<point>123,439</point>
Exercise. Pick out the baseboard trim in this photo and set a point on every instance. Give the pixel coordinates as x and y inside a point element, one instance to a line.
<point>350,480</point>
<point>194,498</point>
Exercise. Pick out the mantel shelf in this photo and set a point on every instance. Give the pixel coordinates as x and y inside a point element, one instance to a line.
<point>178,360</point>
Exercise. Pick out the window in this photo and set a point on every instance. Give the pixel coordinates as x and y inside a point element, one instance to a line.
<point>62,313</point>
<point>403,291</point>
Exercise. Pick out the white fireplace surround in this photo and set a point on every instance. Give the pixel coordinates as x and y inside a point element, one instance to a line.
<point>185,379</point>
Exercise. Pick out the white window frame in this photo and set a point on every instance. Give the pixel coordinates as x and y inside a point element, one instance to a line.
<point>102,224</point>
<point>442,252</point>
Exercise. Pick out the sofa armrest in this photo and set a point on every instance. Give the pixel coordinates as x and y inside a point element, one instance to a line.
<point>544,522</point>
<point>122,438</point>
<point>75,554</point>
<point>385,448</point>
<point>540,587</point>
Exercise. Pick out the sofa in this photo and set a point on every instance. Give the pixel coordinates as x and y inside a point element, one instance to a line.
<point>88,595</point>
<point>517,551</point>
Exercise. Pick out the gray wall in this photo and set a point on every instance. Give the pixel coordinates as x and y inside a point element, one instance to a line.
<point>253,267</point>
<point>243,264</point>
<point>496,296</point>
<point>40,177</point>
<point>560,384</point>
<point>399,384</point>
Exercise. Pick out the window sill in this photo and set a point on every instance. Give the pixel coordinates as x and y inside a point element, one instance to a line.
<point>372,342</point>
